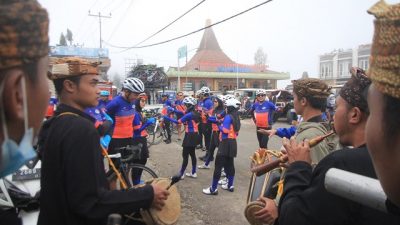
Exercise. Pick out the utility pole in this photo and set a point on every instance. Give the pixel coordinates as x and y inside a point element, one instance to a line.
<point>100,16</point>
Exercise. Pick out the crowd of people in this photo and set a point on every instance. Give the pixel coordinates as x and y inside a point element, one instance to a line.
<point>75,188</point>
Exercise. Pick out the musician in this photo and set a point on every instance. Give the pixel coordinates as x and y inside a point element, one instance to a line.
<point>24,47</point>
<point>309,96</point>
<point>304,199</point>
<point>74,188</point>
<point>383,126</point>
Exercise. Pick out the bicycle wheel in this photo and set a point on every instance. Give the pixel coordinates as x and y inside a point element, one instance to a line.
<point>147,173</point>
<point>158,136</point>
<point>150,136</point>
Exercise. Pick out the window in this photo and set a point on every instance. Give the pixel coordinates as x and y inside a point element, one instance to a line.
<point>363,64</point>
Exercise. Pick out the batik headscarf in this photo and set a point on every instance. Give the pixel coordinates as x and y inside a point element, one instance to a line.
<point>23,32</point>
<point>311,87</point>
<point>354,90</point>
<point>384,68</point>
<point>72,66</point>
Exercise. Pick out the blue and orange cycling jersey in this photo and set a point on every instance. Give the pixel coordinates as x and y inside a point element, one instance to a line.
<point>102,105</point>
<point>226,129</point>
<point>263,113</point>
<point>180,106</point>
<point>217,114</point>
<point>50,108</point>
<point>205,107</point>
<point>167,103</point>
<point>191,126</point>
<point>122,112</point>
<point>96,113</point>
<point>139,129</point>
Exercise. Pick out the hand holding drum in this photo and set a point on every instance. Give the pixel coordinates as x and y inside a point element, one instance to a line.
<point>262,169</point>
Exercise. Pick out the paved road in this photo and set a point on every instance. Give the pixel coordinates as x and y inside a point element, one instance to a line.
<point>226,207</point>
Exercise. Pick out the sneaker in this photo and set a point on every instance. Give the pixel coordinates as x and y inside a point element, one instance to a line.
<point>194,175</point>
<point>208,191</point>
<point>199,147</point>
<point>183,177</point>
<point>223,181</point>
<point>203,158</point>
<point>223,174</point>
<point>225,187</point>
<point>204,166</point>
<point>179,139</point>
<point>168,141</point>
<point>203,149</point>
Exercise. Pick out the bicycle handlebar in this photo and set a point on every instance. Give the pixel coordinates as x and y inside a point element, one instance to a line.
<point>133,150</point>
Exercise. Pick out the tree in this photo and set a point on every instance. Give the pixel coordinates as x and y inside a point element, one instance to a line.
<point>260,58</point>
<point>116,80</point>
<point>63,41</point>
<point>69,36</point>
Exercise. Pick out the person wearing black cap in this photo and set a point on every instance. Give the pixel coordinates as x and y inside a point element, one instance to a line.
<point>305,199</point>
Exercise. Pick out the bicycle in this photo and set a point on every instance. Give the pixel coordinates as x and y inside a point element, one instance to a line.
<point>125,156</point>
<point>157,133</point>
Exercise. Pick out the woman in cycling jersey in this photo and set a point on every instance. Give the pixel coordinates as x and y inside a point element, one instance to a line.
<point>191,120</point>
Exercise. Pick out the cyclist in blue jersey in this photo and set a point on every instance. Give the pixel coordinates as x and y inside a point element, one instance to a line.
<point>191,120</point>
<point>205,108</point>
<point>121,110</point>
<point>181,108</point>
<point>139,135</point>
<point>103,100</point>
<point>215,119</point>
<point>167,104</point>
<point>227,149</point>
<point>262,112</point>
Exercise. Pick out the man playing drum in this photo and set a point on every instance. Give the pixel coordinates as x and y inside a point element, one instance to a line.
<point>74,188</point>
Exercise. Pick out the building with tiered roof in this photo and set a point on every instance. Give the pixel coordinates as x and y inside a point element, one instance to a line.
<point>211,67</point>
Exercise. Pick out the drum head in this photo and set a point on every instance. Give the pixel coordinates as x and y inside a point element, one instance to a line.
<point>249,211</point>
<point>172,209</point>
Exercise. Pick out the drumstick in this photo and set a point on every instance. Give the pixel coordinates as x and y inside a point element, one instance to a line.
<point>265,168</point>
<point>123,183</point>
<point>174,180</point>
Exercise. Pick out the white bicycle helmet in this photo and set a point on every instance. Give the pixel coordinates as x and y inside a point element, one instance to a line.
<point>229,96</point>
<point>205,90</point>
<point>133,84</point>
<point>232,102</point>
<point>221,97</point>
<point>261,92</point>
<point>189,100</point>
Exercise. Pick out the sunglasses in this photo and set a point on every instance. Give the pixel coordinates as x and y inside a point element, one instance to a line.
<point>180,95</point>
<point>216,101</point>
<point>260,95</point>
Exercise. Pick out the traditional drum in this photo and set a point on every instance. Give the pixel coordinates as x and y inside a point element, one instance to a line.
<point>261,186</point>
<point>170,212</point>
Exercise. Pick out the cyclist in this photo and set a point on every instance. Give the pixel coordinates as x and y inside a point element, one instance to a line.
<point>74,187</point>
<point>103,100</point>
<point>139,135</point>
<point>191,120</point>
<point>199,99</point>
<point>227,149</point>
<point>121,110</point>
<point>167,104</point>
<point>215,118</point>
<point>262,112</point>
<point>23,68</point>
<point>181,108</point>
<point>205,108</point>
